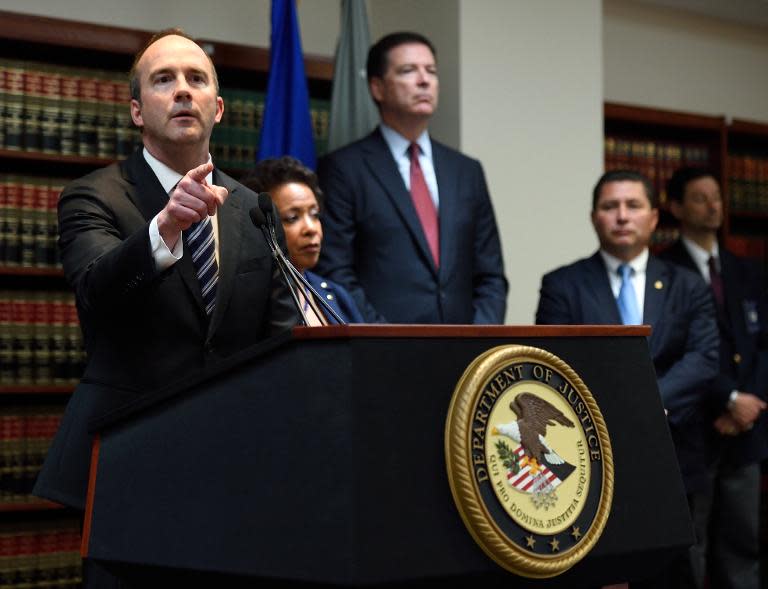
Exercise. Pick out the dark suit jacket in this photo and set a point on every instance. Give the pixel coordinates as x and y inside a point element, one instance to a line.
<point>145,329</point>
<point>374,245</point>
<point>743,326</point>
<point>337,297</point>
<point>683,343</point>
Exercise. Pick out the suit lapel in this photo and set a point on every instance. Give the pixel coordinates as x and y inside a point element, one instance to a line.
<point>230,238</point>
<point>598,284</point>
<point>447,184</point>
<point>384,168</point>
<point>733,321</point>
<point>656,288</point>
<point>679,254</point>
<point>149,197</point>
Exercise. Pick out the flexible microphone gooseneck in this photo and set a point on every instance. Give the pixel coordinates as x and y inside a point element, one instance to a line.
<point>262,217</point>
<point>258,219</point>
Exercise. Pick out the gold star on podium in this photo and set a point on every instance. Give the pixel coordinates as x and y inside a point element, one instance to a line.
<point>555,544</point>
<point>576,533</point>
<point>530,541</point>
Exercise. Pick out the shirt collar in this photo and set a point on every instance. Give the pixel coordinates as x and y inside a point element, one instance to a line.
<point>698,253</point>
<point>398,144</point>
<point>638,264</point>
<point>168,178</point>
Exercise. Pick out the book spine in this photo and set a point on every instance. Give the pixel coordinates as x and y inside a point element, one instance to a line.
<point>27,222</point>
<point>14,105</point>
<point>68,109</point>
<point>106,132</point>
<point>50,118</point>
<point>87,115</point>
<point>7,370</point>
<point>11,229</point>
<point>33,108</point>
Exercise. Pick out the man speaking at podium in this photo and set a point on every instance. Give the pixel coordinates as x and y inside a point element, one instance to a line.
<point>169,273</point>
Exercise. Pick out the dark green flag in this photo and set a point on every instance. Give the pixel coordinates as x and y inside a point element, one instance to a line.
<point>353,113</point>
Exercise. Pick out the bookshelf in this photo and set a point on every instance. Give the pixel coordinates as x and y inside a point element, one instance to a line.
<point>747,186</point>
<point>63,112</point>
<point>656,143</point>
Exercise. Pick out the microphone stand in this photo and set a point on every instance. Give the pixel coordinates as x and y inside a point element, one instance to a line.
<point>299,280</point>
<point>262,218</point>
<point>290,283</point>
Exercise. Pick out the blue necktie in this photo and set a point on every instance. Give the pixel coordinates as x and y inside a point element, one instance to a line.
<point>201,243</point>
<point>630,314</point>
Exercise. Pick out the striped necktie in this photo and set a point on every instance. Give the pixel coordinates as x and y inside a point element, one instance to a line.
<point>202,245</point>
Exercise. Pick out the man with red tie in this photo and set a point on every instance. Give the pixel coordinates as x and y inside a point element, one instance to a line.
<point>409,226</point>
<point>726,513</point>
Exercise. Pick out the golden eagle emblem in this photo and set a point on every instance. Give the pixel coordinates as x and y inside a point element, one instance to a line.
<point>534,466</point>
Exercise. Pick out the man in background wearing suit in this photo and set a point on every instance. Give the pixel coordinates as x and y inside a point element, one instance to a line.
<point>623,284</point>
<point>726,514</point>
<point>170,275</point>
<point>409,227</point>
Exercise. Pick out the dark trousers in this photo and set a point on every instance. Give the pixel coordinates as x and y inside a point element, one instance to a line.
<point>726,519</point>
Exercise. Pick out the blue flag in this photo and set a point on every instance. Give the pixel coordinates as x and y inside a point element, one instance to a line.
<point>287,127</point>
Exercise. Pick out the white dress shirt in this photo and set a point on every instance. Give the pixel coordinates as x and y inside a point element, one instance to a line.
<point>399,147</point>
<point>701,257</point>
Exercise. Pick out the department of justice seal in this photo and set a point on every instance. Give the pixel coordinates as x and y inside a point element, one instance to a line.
<point>529,460</point>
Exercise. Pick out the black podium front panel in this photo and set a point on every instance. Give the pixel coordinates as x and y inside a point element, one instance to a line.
<point>324,461</point>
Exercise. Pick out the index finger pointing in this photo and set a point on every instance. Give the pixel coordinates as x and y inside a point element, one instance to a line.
<point>199,173</point>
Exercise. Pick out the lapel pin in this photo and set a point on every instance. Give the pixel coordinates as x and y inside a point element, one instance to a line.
<point>658,285</point>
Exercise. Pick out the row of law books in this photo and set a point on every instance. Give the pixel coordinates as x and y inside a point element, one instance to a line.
<point>28,221</point>
<point>40,554</point>
<point>235,140</point>
<point>40,339</point>
<point>655,159</point>
<point>26,433</point>
<point>748,184</point>
<point>60,110</point>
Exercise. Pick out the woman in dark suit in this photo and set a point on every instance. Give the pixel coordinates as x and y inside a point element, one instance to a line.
<point>297,195</point>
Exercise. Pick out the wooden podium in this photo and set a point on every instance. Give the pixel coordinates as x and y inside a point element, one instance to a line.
<point>322,460</point>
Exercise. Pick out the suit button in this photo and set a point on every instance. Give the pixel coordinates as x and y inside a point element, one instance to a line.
<point>737,358</point>
<point>329,297</point>
<point>323,284</point>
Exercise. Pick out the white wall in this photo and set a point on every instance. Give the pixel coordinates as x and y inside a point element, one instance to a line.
<point>245,22</point>
<point>438,20</point>
<point>677,60</point>
<point>531,111</point>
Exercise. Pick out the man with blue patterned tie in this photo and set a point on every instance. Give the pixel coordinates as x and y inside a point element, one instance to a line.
<point>623,278</point>
<point>170,275</point>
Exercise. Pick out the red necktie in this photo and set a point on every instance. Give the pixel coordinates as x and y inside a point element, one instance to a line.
<point>716,282</point>
<point>425,206</point>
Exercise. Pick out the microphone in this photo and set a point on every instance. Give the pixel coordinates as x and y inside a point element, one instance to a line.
<point>262,217</point>
<point>259,219</point>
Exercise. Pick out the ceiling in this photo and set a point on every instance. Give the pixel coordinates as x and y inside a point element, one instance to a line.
<point>753,12</point>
